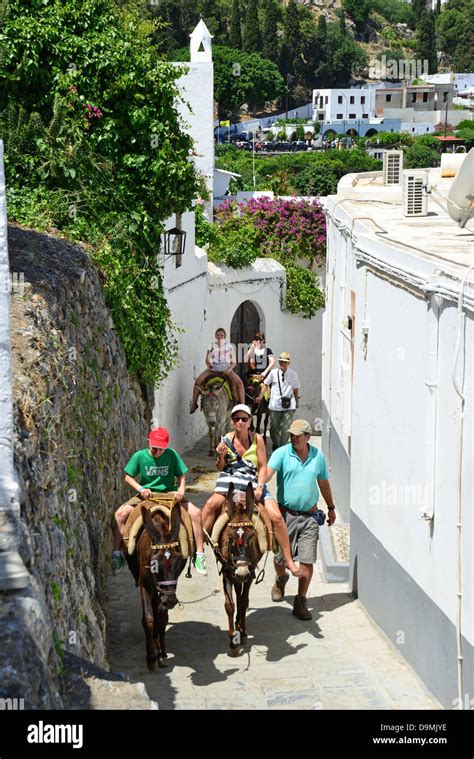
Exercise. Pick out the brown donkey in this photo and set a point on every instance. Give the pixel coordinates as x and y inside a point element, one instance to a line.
<point>156,565</point>
<point>239,553</point>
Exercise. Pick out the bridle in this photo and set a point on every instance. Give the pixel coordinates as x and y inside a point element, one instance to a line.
<point>160,583</point>
<point>231,564</point>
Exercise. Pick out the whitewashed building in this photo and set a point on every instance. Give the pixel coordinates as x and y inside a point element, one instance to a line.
<point>203,296</point>
<point>398,374</point>
<point>344,104</point>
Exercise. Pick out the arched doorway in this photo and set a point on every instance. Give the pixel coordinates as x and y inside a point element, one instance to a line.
<point>245,323</point>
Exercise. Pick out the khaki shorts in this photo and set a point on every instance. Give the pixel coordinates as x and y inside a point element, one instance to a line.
<point>303,532</point>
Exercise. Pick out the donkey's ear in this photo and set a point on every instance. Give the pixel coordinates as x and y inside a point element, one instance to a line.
<point>175,522</point>
<point>249,501</point>
<point>230,501</point>
<point>148,523</point>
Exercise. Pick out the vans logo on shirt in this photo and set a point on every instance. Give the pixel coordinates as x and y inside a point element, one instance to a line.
<point>156,471</point>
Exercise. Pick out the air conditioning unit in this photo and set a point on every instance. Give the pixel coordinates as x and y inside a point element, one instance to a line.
<point>414,196</point>
<point>392,166</point>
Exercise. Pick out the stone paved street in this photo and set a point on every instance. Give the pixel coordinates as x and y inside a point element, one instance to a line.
<point>340,660</point>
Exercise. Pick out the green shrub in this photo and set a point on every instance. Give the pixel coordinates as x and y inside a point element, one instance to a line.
<point>303,295</point>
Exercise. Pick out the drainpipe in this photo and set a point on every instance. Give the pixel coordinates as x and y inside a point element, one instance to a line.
<point>458,382</point>
<point>431,382</point>
<point>13,573</point>
<point>330,348</point>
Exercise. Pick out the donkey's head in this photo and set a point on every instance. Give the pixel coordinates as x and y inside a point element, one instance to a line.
<point>164,558</point>
<point>240,543</point>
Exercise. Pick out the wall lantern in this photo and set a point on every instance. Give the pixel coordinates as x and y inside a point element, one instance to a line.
<point>174,242</point>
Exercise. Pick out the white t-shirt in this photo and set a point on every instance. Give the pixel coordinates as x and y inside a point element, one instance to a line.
<point>221,356</point>
<point>288,382</point>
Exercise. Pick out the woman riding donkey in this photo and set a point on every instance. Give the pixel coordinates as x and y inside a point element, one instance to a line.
<point>157,469</point>
<point>242,459</point>
<point>220,360</point>
<point>259,357</point>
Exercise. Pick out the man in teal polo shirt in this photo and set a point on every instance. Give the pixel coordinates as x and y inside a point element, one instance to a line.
<point>157,469</point>
<point>301,475</point>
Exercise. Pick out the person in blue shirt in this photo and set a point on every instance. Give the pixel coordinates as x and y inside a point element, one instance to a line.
<point>301,476</point>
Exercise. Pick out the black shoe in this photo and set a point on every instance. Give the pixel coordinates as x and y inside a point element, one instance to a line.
<point>300,610</point>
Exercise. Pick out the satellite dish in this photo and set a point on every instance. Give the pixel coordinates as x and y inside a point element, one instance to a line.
<point>461,195</point>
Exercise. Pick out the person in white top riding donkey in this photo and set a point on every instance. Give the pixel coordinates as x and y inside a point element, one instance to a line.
<point>220,358</point>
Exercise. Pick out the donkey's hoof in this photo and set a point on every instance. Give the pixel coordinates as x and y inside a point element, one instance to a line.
<point>235,652</point>
<point>151,664</point>
<point>162,661</point>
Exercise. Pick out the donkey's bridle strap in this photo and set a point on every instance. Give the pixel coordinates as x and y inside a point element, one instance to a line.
<point>162,546</point>
<point>240,524</point>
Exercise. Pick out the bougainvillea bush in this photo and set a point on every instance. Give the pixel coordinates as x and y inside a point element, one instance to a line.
<point>291,231</point>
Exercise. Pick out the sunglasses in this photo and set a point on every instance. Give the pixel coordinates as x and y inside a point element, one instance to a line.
<point>240,418</point>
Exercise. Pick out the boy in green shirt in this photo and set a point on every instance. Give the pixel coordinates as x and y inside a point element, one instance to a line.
<point>157,469</point>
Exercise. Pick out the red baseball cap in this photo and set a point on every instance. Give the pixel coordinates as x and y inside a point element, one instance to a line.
<point>159,438</point>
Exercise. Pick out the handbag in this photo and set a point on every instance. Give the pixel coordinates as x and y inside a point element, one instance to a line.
<point>240,463</point>
<point>285,401</point>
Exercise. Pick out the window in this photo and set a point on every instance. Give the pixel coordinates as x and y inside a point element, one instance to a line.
<point>352,116</point>
<point>365,115</point>
<point>413,97</point>
<point>321,116</point>
<point>362,99</point>
<point>326,99</point>
<point>388,98</point>
<point>339,116</point>
<point>339,98</point>
<point>445,97</point>
<point>352,100</point>
<point>425,97</point>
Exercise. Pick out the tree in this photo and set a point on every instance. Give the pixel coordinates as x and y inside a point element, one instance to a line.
<point>342,22</point>
<point>108,142</point>
<point>455,27</point>
<point>292,41</point>
<point>270,31</point>
<point>235,36</point>
<point>425,48</point>
<point>243,78</point>
<point>341,55</point>
<point>419,7</point>
<point>359,11</point>
<point>252,39</point>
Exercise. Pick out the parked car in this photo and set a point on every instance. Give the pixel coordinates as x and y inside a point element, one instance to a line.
<point>283,146</point>
<point>299,145</point>
<point>269,146</point>
<point>246,136</point>
<point>242,145</point>
<point>221,134</point>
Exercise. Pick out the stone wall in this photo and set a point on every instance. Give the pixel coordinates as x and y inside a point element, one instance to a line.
<point>78,417</point>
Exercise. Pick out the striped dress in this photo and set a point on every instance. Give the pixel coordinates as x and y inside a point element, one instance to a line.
<point>238,472</point>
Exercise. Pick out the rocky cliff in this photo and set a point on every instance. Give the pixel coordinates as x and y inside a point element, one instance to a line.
<point>78,417</point>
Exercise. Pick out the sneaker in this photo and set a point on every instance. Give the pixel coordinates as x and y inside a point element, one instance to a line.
<point>300,610</point>
<point>118,563</point>
<point>278,590</point>
<point>200,564</point>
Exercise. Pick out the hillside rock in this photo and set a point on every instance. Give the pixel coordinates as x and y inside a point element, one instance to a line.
<point>78,417</point>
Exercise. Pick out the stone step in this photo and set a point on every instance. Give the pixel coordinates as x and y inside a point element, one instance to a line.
<point>334,545</point>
